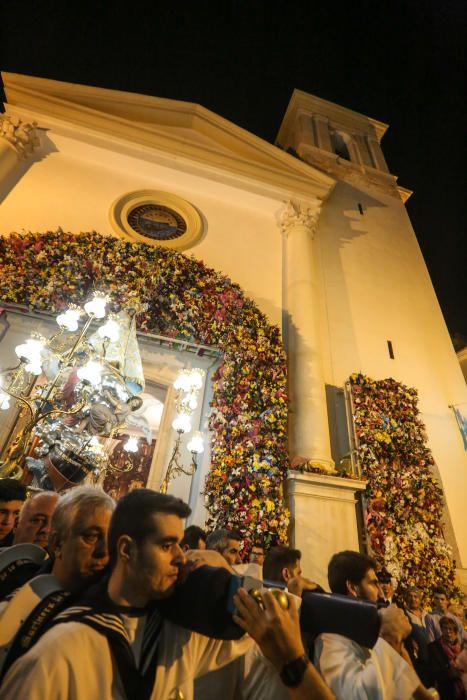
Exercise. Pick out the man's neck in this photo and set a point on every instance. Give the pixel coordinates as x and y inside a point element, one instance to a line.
<point>439,611</point>
<point>122,592</point>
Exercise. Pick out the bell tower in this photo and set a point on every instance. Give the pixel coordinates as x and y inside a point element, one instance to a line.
<point>338,141</point>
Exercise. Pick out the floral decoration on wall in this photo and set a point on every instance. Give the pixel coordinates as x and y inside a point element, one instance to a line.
<point>404,499</point>
<point>185,300</point>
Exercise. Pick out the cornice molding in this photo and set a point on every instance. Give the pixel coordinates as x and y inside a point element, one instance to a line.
<point>358,175</point>
<point>234,149</point>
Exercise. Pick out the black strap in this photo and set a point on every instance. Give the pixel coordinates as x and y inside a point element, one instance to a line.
<point>137,682</point>
<point>15,575</point>
<point>35,625</point>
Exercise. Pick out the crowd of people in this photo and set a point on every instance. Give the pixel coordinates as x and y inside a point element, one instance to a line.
<point>105,600</point>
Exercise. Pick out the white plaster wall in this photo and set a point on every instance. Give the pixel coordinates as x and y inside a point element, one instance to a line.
<point>72,184</point>
<point>375,287</point>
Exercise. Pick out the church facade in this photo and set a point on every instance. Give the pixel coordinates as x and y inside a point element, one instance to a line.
<point>313,229</point>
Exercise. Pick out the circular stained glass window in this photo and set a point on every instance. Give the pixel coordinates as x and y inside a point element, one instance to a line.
<point>157,218</point>
<point>157,222</point>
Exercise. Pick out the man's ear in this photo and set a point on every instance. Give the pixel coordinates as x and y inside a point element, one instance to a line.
<point>54,545</point>
<point>286,574</point>
<point>352,589</point>
<point>125,547</point>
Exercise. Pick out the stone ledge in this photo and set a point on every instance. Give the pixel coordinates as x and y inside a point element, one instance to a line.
<point>326,480</point>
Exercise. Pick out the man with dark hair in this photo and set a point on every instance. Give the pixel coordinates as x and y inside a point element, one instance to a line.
<point>226,542</point>
<point>12,497</point>
<point>115,643</point>
<point>350,569</point>
<point>194,537</point>
<point>440,608</point>
<point>257,553</point>
<point>387,586</point>
<point>282,564</point>
<point>352,671</point>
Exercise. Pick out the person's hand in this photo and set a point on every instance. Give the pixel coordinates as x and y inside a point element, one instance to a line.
<point>276,631</point>
<point>196,558</point>
<point>395,626</point>
<point>298,584</point>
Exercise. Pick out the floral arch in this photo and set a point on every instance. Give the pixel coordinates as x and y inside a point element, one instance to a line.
<point>185,300</point>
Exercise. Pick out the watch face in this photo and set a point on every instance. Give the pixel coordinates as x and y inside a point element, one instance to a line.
<point>293,672</point>
<point>157,222</point>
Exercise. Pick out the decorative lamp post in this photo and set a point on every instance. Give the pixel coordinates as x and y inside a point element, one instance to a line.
<point>188,384</point>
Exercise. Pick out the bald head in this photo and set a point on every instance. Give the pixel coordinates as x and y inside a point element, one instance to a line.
<point>34,519</point>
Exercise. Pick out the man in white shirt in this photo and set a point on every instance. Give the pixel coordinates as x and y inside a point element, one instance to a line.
<point>97,650</point>
<point>352,671</point>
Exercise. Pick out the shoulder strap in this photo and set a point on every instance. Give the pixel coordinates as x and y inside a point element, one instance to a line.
<point>35,625</point>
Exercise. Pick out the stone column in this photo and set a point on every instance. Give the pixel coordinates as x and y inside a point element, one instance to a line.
<point>306,134</point>
<point>18,140</point>
<point>322,132</point>
<point>309,428</point>
<point>377,154</point>
<point>363,149</point>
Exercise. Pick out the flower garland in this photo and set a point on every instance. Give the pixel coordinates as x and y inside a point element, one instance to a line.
<point>404,500</point>
<point>185,300</point>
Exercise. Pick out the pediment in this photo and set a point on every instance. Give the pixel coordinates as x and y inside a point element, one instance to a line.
<point>172,126</point>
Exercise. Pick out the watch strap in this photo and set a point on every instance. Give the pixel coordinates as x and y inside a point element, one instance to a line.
<point>293,671</point>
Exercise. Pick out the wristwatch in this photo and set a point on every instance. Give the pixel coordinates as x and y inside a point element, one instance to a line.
<point>293,671</point>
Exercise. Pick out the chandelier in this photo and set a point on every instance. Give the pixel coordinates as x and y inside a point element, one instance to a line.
<point>92,381</point>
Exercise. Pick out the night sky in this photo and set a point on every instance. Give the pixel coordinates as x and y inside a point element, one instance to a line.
<point>401,62</point>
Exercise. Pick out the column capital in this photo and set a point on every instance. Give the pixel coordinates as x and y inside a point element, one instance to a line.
<point>22,136</point>
<point>297,214</point>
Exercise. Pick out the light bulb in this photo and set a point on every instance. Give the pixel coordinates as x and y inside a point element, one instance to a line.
<point>189,401</point>
<point>196,379</point>
<point>91,372</point>
<point>196,444</point>
<point>110,330</point>
<point>30,353</point>
<point>69,319</point>
<point>33,368</point>
<point>182,379</point>
<point>189,380</point>
<point>182,423</point>
<point>131,445</point>
<point>96,307</point>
